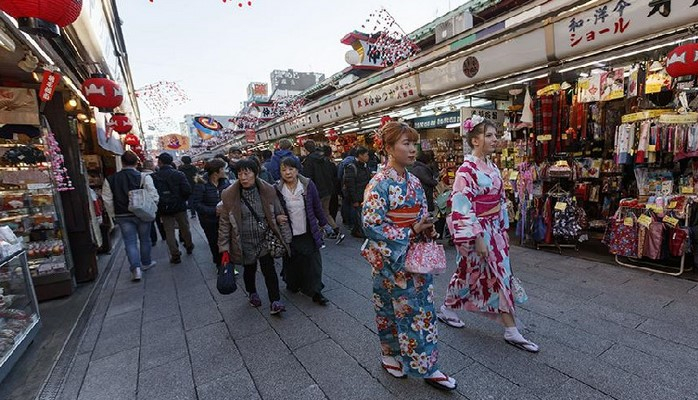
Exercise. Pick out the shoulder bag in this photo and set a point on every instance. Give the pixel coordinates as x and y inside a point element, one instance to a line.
<point>425,257</point>
<point>272,242</point>
<point>141,204</point>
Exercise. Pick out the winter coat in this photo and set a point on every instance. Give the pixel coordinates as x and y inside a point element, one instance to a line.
<point>320,170</point>
<point>274,164</point>
<point>265,175</point>
<point>116,187</point>
<point>314,214</point>
<point>206,197</point>
<point>190,171</point>
<point>173,188</point>
<point>356,178</point>
<point>428,180</point>
<point>230,218</point>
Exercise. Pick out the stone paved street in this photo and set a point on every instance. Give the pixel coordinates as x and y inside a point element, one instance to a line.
<point>606,333</point>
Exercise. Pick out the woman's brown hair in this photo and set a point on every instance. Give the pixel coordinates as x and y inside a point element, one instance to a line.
<point>214,165</point>
<point>393,131</point>
<point>478,130</point>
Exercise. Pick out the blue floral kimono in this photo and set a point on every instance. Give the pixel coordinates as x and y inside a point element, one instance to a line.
<point>404,302</point>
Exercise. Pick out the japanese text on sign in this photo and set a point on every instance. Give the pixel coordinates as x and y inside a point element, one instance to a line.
<point>605,21</point>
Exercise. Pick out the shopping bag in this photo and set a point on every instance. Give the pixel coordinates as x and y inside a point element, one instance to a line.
<point>226,283</point>
<point>141,204</point>
<point>425,258</point>
<point>678,243</point>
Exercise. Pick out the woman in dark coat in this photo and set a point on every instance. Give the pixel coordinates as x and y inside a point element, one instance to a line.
<point>429,178</point>
<point>207,194</point>
<point>301,203</point>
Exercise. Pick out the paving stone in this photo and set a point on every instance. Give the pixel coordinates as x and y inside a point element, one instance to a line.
<point>118,333</point>
<point>126,300</point>
<point>295,328</point>
<point>354,304</point>
<point>170,381</point>
<point>477,381</point>
<point>281,377</point>
<point>74,379</point>
<point>573,390</point>
<point>237,386</point>
<point>212,353</point>
<point>162,341</point>
<point>268,340</point>
<point>670,332</point>
<point>160,304</point>
<point>244,325</point>
<point>340,376</point>
<point>199,314</point>
<point>112,377</point>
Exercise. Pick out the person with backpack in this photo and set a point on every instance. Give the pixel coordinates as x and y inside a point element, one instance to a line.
<point>347,217</point>
<point>191,172</point>
<point>274,164</point>
<point>356,178</point>
<point>174,190</point>
<point>321,171</point>
<point>115,193</point>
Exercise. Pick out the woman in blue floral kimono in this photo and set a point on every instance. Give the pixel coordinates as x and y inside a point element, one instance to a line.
<point>394,213</point>
<point>478,223</point>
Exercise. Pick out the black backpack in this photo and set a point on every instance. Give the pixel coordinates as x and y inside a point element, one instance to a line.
<point>171,201</point>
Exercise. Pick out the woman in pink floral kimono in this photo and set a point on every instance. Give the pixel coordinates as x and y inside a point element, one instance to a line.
<point>478,223</point>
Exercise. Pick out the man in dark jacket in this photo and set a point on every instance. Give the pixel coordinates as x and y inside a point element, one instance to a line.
<point>427,177</point>
<point>274,165</point>
<point>190,171</point>
<point>356,178</point>
<point>174,190</point>
<point>321,171</point>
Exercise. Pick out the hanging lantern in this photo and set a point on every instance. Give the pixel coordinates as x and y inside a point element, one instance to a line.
<point>332,135</point>
<point>300,141</point>
<point>683,60</point>
<point>132,140</point>
<point>42,17</point>
<point>102,92</point>
<point>120,123</point>
<point>385,119</point>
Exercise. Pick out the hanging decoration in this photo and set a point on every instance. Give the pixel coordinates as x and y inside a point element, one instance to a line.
<point>102,93</point>
<point>42,17</point>
<point>289,106</point>
<point>161,96</point>
<point>120,123</point>
<point>58,169</point>
<point>175,142</point>
<point>385,119</point>
<point>49,82</point>
<point>392,43</point>
<point>132,140</point>
<point>683,60</point>
<point>332,135</point>
<point>207,127</point>
<point>240,4</point>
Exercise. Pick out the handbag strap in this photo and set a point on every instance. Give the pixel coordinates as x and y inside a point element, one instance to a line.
<point>249,207</point>
<point>142,180</point>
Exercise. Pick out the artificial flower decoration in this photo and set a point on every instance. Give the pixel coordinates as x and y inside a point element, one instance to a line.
<point>58,169</point>
<point>471,123</point>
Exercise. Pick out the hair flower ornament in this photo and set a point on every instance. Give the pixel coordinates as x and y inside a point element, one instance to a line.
<point>471,123</point>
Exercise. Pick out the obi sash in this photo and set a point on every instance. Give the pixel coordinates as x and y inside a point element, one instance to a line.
<point>488,205</point>
<point>404,217</point>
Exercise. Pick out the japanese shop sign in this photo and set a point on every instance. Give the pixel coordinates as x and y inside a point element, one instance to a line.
<point>619,21</point>
<point>48,85</point>
<point>514,55</point>
<point>436,121</point>
<point>399,92</point>
<point>496,116</point>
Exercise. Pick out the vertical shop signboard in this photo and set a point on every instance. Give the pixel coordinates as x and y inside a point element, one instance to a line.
<point>619,21</point>
<point>496,116</point>
<point>399,92</point>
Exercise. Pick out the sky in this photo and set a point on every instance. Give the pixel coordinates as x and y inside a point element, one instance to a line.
<point>213,50</point>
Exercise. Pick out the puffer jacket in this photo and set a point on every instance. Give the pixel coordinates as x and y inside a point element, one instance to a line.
<point>205,198</point>
<point>314,214</point>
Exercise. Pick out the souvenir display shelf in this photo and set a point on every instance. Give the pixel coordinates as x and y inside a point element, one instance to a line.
<point>30,206</point>
<point>19,311</point>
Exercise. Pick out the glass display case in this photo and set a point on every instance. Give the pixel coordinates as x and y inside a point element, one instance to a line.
<point>19,311</point>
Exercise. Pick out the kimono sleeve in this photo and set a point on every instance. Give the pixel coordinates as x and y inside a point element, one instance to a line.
<point>463,222</point>
<point>391,240</point>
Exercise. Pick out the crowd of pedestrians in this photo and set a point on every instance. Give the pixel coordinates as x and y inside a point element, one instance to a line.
<point>256,209</point>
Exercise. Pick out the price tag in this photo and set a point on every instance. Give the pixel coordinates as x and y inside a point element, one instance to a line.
<point>672,205</point>
<point>513,175</point>
<point>670,220</point>
<point>505,152</point>
<point>652,148</point>
<point>644,220</point>
<point>687,189</point>
<point>560,206</point>
<point>628,221</point>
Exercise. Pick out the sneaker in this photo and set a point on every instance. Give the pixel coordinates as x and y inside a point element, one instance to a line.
<point>136,275</point>
<point>254,299</point>
<point>340,238</point>
<point>190,250</point>
<point>332,236</point>
<point>175,259</point>
<point>277,307</point>
<point>235,270</point>
<point>149,266</point>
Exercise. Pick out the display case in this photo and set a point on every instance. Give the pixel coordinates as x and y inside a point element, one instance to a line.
<point>19,312</point>
<point>30,206</point>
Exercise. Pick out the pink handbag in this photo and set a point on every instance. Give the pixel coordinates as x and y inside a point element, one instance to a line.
<point>425,258</point>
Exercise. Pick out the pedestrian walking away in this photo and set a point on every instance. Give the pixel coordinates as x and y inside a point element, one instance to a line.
<point>274,164</point>
<point>206,196</point>
<point>135,232</point>
<point>478,223</point>
<point>427,176</point>
<point>301,203</point>
<point>319,169</point>
<point>395,213</point>
<point>241,235</point>
<point>191,172</point>
<point>174,190</point>
<point>356,178</point>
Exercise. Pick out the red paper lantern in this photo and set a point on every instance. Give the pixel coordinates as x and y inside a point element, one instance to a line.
<point>132,140</point>
<point>385,119</point>
<point>683,60</point>
<point>102,93</point>
<point>332,135</point>
<point>42,17</point>
<point>120,123</point>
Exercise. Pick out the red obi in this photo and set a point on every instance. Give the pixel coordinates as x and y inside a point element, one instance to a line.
<point>487,206</point>
<point>404,217</point>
